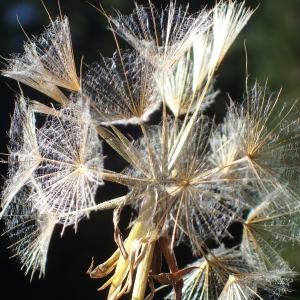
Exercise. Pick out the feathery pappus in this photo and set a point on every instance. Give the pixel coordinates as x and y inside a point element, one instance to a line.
<point>189,179</point>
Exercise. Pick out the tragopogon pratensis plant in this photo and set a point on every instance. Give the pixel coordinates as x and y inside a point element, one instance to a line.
<point>188,178</point>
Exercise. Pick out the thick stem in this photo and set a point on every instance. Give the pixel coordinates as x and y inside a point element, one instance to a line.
<point>120,282</point>
<point>123,179</point>
<point>141,277</point>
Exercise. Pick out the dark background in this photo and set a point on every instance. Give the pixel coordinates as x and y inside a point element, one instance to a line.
<point>273,44</point>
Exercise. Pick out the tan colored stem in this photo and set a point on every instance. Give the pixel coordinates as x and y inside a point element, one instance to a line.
<point>123,179</point>
<point>141,277</point>
<point>137,232</point>
<point>106,205</point>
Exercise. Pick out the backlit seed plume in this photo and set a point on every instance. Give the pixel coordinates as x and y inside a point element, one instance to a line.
<point>256,285</point>
<point>183,81</point>
<point>179,85</point>
<point>29,231</point>
<point>161,35</point>
<point>121,89</point>
<point>201,52</point>
<point>24,155</point>
<point>70,171</point>
<point>264,148</point>
<point>174,86</point>
<point>224,274</point>
<point>141,29</point>
<point>270,139</point>
<point>199,205</point>
<point>209,274</point>
<point>269,226</point>
<point>238,288</point>
<point>228,20</point>
<point>225,142</point>
<point>227,191</point>
<point>47,62</point>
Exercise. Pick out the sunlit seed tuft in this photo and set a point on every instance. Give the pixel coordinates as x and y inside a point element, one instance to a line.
<point>47,62</point>
<point>29,231</point>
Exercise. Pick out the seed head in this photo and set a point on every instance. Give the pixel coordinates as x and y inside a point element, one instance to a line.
<point>269,226</point>
<point>70,170</point>
<point>121,89</point>
<point>24,155</point>
<point>47,62</point>
<point>30,231</point>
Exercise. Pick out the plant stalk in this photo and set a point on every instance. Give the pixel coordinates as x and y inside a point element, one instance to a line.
<point>141,277</point>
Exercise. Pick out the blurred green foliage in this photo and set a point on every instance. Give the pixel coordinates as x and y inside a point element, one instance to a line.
<point>273,41</point>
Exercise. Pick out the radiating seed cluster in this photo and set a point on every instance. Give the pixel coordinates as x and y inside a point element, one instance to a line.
<point>188,178</point>
<point>30,231</point>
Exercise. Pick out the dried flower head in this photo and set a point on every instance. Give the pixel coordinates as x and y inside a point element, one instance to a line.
<point>189,179</point>
<point>29,231</point>
<point>160,35</point>
<point>269,226</point>
<point>121,89</point>
<point>72,161</point>
<point>24,155</point>
<point>228,20</point>
<point>263,149</point>
<point>209,274</point>
<point>180,86</point>
<point>47,62</point>
<point>191,199</point>
<point>64,157</point>
<point>254,285</point>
